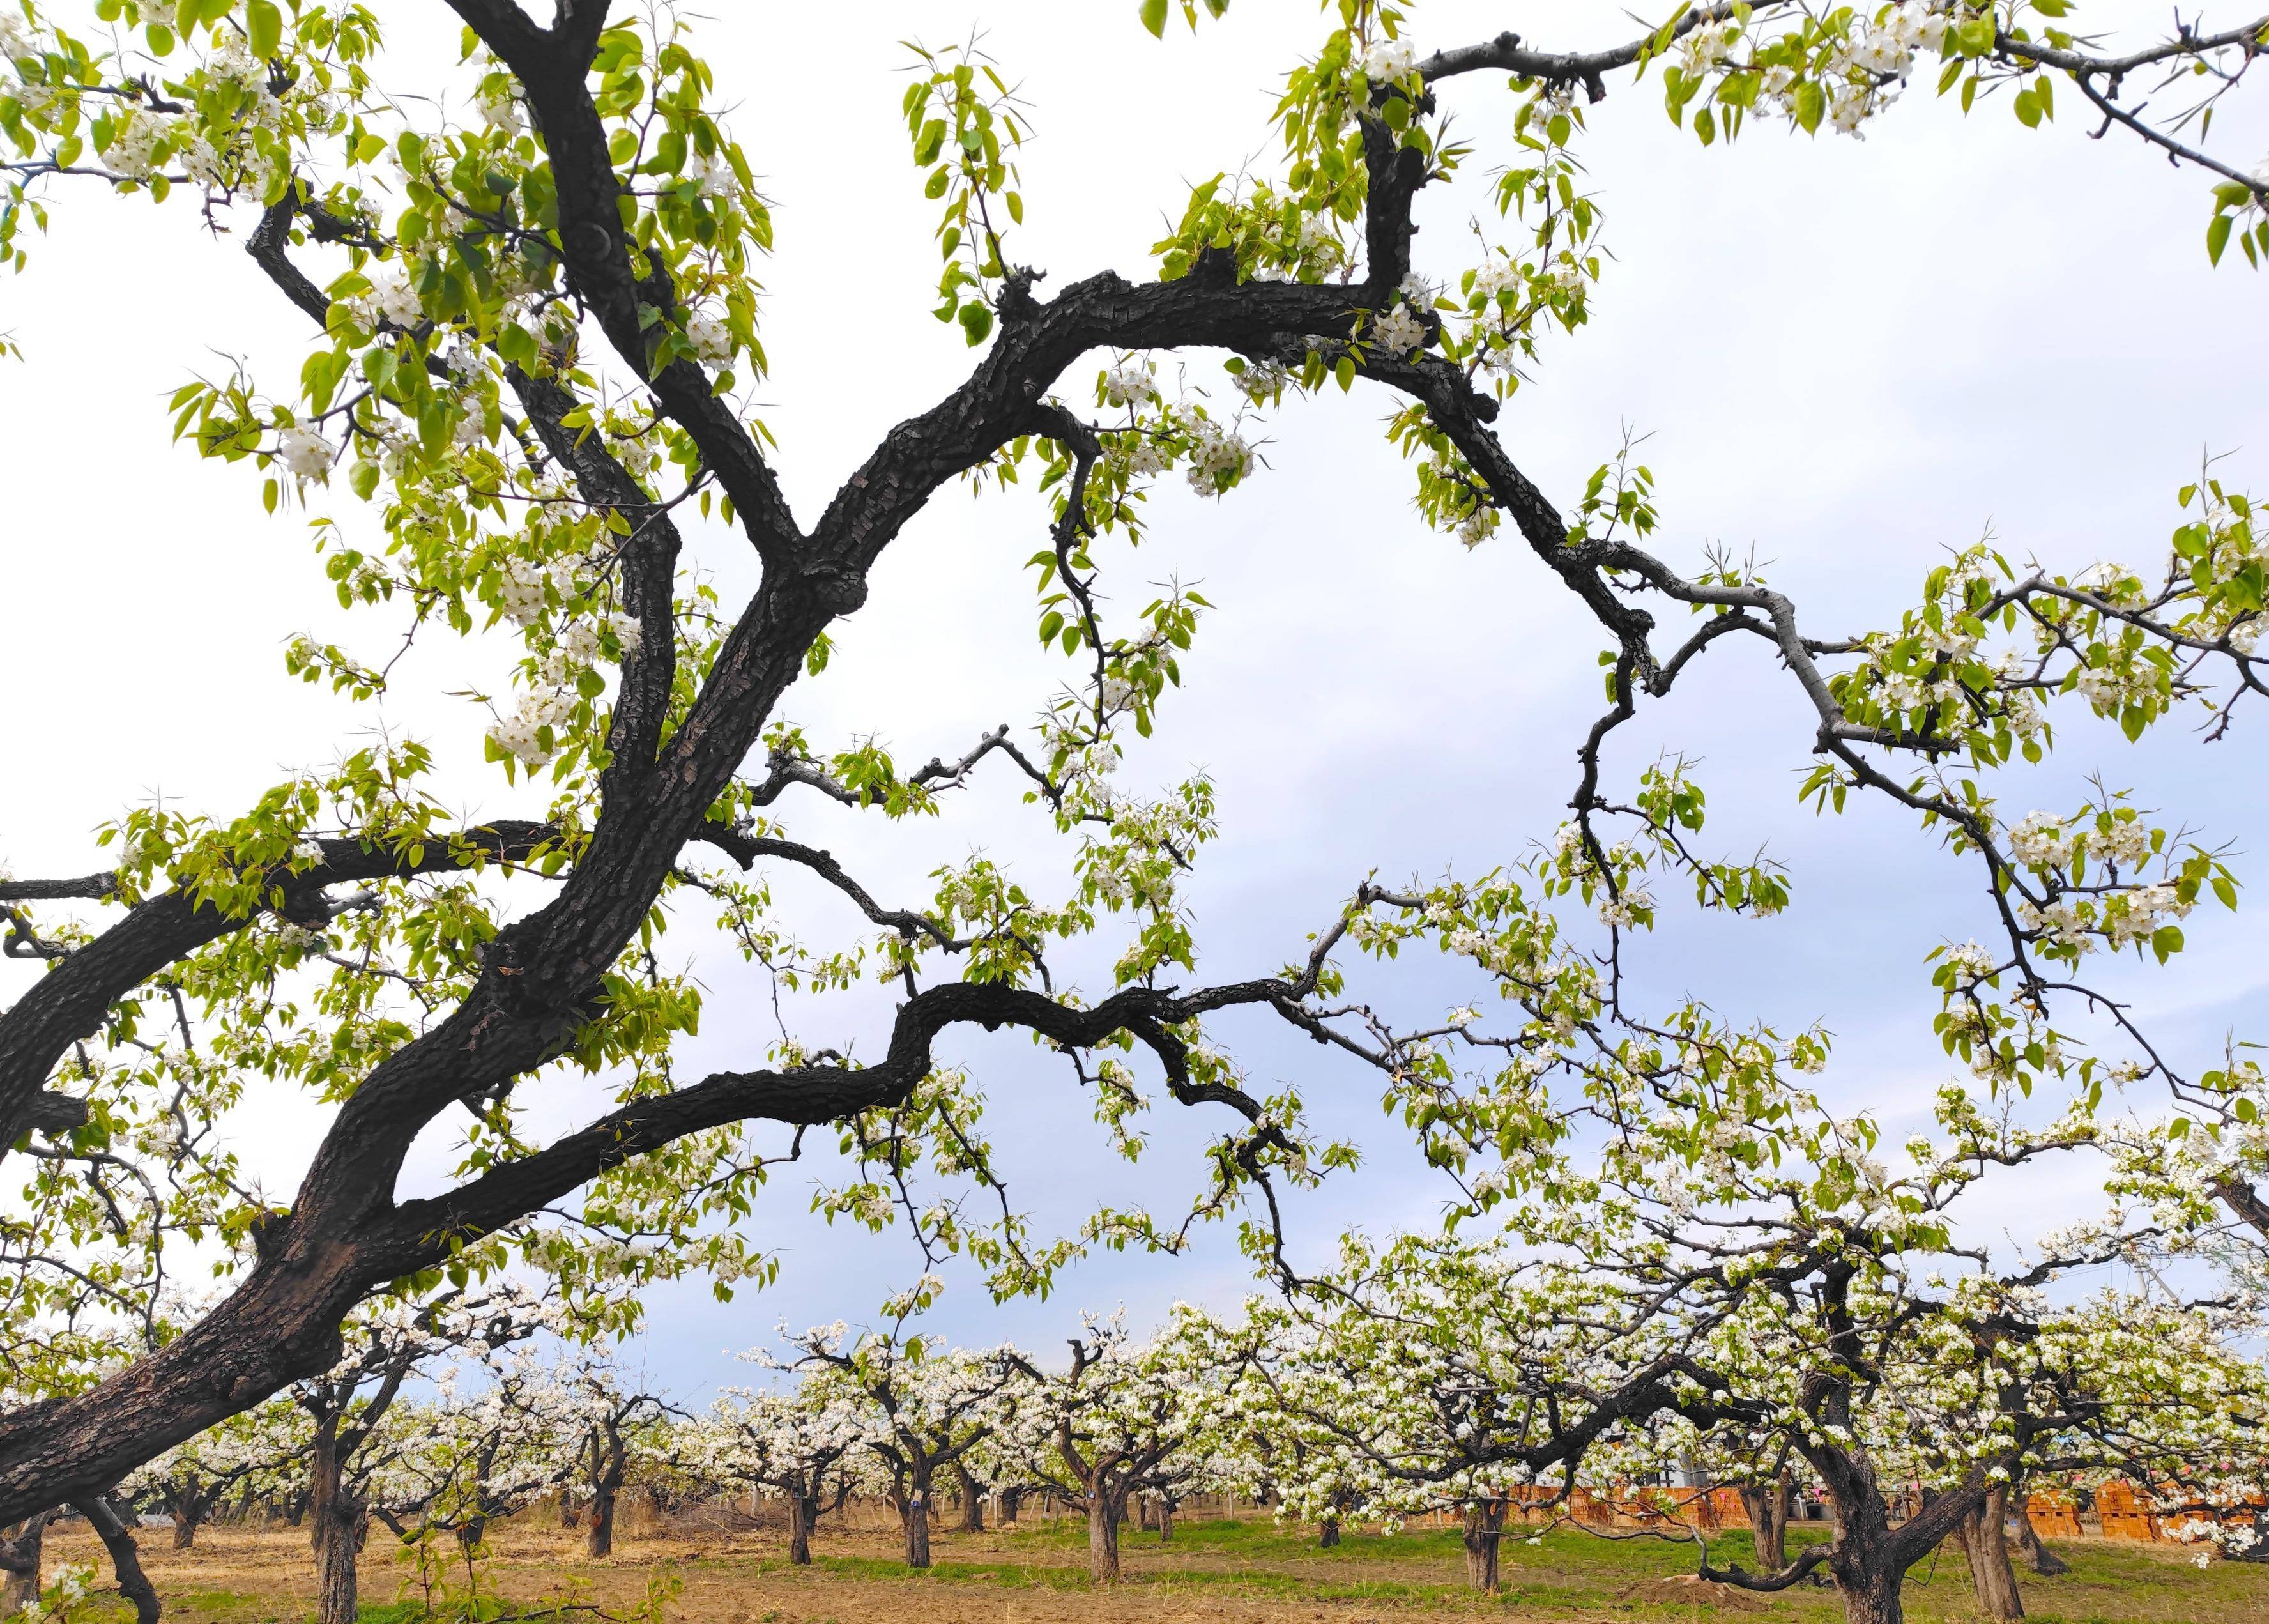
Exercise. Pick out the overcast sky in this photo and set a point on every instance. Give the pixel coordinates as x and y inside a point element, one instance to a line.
<point>1850,356</point>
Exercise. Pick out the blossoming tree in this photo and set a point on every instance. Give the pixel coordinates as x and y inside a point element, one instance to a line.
<point>927,1408</point>
<point>533,340</point>
<point>1748,1303</point>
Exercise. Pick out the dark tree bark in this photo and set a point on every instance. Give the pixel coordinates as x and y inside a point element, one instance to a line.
<point>1768,1506</point>
<point>1484,1531</point>
<point>803,1515</point>
<point>2042,1559</point>
<point>114,1525</point>
<point>1106,1508</point>
<point>338,1520</point>
<point>973,1498</point>
<point>187,1504</point>
<point>1011,1500</point>
<point>610,1458</point>
<point>20,1550</point>
<point>1984,1538</point>
<point>1330,1535</point>
<point>916,1513</point>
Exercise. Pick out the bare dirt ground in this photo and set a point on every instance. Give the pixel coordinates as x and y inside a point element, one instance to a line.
<point>728,1572</point>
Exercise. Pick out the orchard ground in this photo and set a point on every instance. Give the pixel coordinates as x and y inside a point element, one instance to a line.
<point>1248,1571</point>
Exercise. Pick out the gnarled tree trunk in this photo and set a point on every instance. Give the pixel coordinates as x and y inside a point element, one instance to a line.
<point>972,1500</point>
<point>599,1538</point>
<point>1106,1506</point>
<point>1011,1499</point>
<point>20,1548</point>
<point>113,1525</point>
<point>917,1515</point>
<point>2042,1559</point>
<point>1768,1506</point>
<point>1984,1538</point>
<point>1484,1531</point>
<point>802,1513</point>
<point>188,1507</point>
<point>336,1521</point>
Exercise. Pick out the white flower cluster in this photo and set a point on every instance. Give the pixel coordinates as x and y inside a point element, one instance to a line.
<point>1312,247</point>
<point>1399,331</point>
<point>713,178</point>
<point>1129,384</point>
<point>17,42</point>
<point>499,108</point>
<point>1218,458</point>
<point>521,736</point>
<point>711,338</point>
<point>303,451</point>
<point>577,646</point>
<point>2041,840</point>
<point>523,587</point>
<point>1389,59</point>
<point>390,299</point>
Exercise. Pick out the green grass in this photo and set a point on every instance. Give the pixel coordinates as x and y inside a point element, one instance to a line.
<point>1569,1573</point>
<point>1567,1570</point>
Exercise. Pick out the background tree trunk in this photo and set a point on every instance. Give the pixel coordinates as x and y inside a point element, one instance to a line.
<point>972,1500</point>
<point>337,1520</point>
<point>114,1525</point>
<point>1984,1538</point>
<point>2042,1559</point>
<point>1331,1530</point>
<point>1768,1506</point>
<point>188,1508</point>
<point>21,1586</point>
<point>1484,1530</point>
<point>599,1541</point>
<point>1165,1521</point>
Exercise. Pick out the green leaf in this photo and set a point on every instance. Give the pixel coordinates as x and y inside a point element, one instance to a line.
<point>1811,103</point>
<point>976,322</point>
<point>1154,17</point>
<point>2166,941</point>
<point>264,24</point>
<point>2217,237</point>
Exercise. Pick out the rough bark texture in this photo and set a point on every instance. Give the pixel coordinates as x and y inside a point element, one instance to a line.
<point>917,1520</point>
<point>599,1540</point>
<point>1331,1532</point>
<point>1768,1508</point>
<point>1010,1499</point>
<point>1104,1509</point>
<point>802,1512</point>
<point>336,1521</point>
<point>972,1499</point>
<point>20,1550</point>
<point>1984,1538</point>
<point>1484,1532</point>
